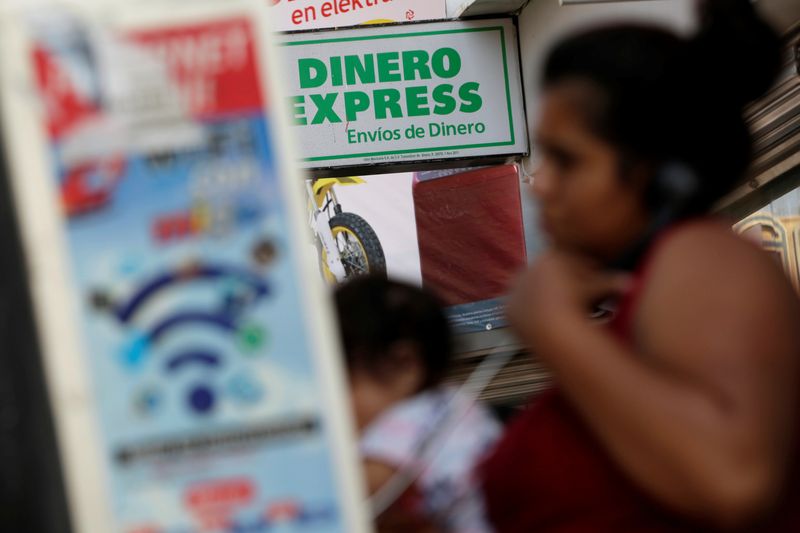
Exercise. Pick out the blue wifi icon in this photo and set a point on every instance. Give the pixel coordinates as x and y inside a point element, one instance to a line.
<point>243,290</point>
<point>201,398</point>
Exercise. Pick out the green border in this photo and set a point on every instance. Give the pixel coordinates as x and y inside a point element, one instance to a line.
<point>502,31</point>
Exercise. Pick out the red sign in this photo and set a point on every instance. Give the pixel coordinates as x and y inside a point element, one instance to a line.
<point>65,106</point>
<point>213,64</point>
<point>226,493</point>
<point>213,504</point>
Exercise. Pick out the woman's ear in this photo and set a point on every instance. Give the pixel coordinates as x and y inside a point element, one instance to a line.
<point>407,366</point>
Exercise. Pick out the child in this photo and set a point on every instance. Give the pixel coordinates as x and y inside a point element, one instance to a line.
<point>398,348</point>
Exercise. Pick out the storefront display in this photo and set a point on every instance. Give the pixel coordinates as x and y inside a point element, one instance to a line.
<point>457,232</point>
<point>399,97</point>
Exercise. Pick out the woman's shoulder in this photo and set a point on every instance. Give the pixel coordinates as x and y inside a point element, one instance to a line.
<point>709,250</point>
<point>700,231</point>
<point>717,290</point>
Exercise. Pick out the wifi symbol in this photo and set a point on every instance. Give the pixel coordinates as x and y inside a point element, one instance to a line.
<point>248,289</point>
<point>201,398</point>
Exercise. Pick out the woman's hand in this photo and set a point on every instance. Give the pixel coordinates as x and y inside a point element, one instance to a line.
<point>559,287</point>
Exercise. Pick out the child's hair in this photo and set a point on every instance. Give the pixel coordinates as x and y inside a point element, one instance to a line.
<point>665,98</point>
<point>375,313</point>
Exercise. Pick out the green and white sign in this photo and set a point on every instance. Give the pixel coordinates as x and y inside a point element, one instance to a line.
<point>406,93</point>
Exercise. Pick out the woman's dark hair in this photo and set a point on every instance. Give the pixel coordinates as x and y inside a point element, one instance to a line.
<point>375,313</point>
<point>666,99</point>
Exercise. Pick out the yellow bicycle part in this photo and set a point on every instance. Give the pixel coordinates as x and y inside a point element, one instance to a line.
<point>321,186</point>
<point>338,230</point>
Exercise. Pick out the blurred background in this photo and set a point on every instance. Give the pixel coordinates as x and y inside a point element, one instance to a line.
<point>143,161</point>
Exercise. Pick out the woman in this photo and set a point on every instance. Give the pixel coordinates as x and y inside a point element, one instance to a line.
<point>681,415</point>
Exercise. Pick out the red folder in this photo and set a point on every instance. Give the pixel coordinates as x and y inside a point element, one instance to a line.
<point>470,232</point>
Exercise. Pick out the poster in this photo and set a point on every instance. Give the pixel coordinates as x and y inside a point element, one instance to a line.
<point>293,15</point>
<point>406,93</point>
<point>219,405</point>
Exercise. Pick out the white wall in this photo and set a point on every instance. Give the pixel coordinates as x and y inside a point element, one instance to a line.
<point>543,22</point>
<point>459,8</point>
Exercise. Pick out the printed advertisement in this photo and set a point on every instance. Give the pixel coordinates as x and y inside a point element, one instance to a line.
<point>291,15</point>
<point>407,93</point>
<point>458,233</point>
<point>186,280</point>
<point>431,234</point>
